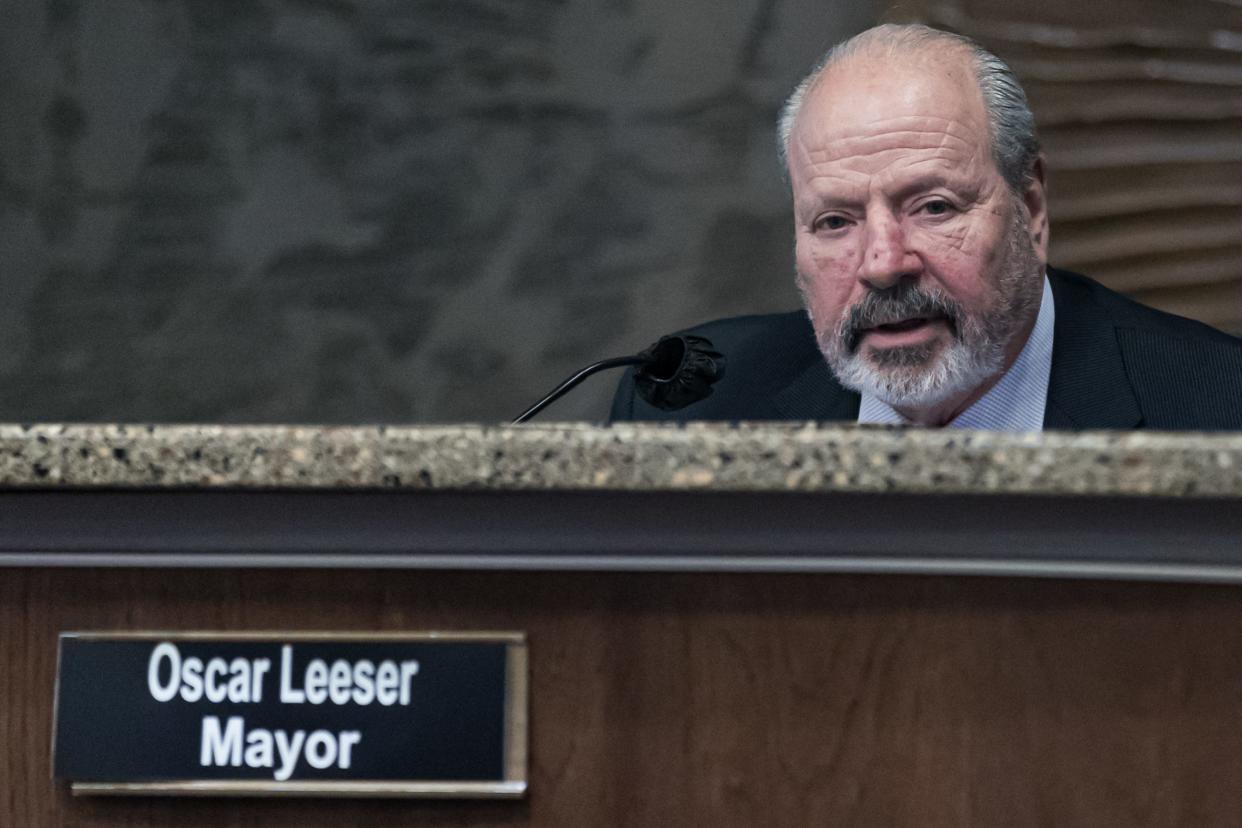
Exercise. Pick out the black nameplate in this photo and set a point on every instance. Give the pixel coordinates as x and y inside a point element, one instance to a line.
<point>434,714</point>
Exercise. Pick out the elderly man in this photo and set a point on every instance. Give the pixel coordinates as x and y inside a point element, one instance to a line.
<point>921,230</point>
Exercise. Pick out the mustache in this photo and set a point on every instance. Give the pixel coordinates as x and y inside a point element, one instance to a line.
<point>900,302</point>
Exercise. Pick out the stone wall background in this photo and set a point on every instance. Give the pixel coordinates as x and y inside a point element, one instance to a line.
<point>387,211</point>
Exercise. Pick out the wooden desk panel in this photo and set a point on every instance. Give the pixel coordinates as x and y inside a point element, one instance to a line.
<point>728,699</point>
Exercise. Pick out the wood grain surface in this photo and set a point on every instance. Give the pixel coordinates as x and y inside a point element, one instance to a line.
<point>1139,107</point>
<point>708,699</point>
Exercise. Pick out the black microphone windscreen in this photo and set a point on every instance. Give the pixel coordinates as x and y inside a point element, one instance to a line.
<point>678,371</point>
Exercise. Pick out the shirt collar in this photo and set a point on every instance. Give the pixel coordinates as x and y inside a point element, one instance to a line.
<point>1015,403</point>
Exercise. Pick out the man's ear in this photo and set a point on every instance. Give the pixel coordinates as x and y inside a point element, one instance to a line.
<point>1035,197</point>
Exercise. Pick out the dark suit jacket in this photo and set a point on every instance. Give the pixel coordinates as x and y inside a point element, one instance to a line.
<point>1116,364</point>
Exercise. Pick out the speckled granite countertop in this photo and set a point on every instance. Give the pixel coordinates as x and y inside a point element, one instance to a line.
<point>749,457</point>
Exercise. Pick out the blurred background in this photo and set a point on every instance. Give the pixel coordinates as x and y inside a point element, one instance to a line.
<point>432,210</point>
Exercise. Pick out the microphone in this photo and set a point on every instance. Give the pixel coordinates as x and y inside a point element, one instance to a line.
<point>674,372</point>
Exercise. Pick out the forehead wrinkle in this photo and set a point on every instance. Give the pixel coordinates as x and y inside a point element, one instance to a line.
<point>850,124</point>
<point>895,182</point>
<point>843,128</point>
<point>861,147</point>
<point>944,167</point>
<point>844,157</point>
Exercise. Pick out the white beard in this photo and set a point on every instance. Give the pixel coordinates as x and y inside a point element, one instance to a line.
<point>958,370</point>
<point>919,377</point>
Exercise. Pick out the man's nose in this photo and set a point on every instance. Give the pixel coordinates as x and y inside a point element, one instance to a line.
<point>887,258</point>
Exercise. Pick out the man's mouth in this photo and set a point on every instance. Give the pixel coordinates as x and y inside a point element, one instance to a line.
<point>913,330</point>
<point>901,325</point>
<point>898,318</point>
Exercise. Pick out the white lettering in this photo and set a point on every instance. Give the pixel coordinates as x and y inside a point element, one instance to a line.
<point>192,679</point>
<point>349,738</point>
<point>288,695</point>
<point>217,691</point>
<point>259,748</point>
<point>409,669</point>
<point>220,749</point>
<point>289,751</point>
<point>361,682</point>
<point>280,750</point>
<point>364,682</point>
<point>189,678</point>
<point>261,666</point>
<point>386,683</point>
<point>316,681</point>
<point>321,749</point>
<point>239,681</point>
<point>164,692</point>
<point>339,681</point>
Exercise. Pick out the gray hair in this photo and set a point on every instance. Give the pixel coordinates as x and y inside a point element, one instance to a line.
<point>1015,146</point>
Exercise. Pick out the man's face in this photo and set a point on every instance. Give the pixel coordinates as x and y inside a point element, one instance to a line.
<point>920,268</point>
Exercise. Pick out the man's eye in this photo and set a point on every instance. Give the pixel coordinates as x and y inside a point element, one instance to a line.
<point>939,207</point>
<point>831,223</point>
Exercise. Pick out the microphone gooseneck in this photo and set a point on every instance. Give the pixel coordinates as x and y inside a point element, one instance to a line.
<point>674,372</point>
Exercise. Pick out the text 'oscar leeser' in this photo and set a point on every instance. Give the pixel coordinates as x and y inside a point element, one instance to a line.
<point>242,680</point>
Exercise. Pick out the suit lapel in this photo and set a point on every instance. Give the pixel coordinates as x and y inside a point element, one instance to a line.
<point>1088,386</point>
<point>815,394</point>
